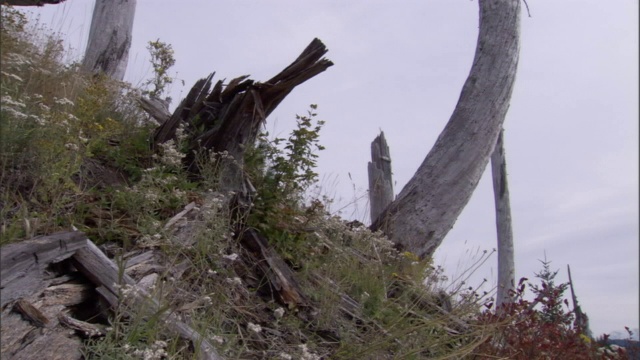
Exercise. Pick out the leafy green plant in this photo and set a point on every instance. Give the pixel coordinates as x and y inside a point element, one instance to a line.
<point>282,176</point>
<point>162,60</point>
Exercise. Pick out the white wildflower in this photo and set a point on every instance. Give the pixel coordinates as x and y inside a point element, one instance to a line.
<point>63,101</point>
<point>218,339</point>
<point>234,281</point>
<point>285,356</point>
<point>306,354</point>
<point>278,313</point>
<point>44,107</point>
<point>253,327</point>
<point>170,154</point>
<point>231,257</point>
<point>72,147</point>
<point>8,101</point>
<point>17,114</point>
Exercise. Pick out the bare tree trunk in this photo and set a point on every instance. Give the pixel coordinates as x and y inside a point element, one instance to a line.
<point>506,265</point>
<point>380,177</point>
<point>30,2</point>
<point>110,37</point>
<point>430,203</point>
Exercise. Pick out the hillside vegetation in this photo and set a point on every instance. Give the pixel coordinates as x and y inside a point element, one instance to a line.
<point>75,153</point>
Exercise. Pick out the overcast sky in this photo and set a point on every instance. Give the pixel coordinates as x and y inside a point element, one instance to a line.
<point>571,134</point>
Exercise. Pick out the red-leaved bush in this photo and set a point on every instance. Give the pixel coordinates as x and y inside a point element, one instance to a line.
<point>538,329</point>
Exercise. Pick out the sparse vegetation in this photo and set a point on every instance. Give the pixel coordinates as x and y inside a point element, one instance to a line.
<point>75,152</point>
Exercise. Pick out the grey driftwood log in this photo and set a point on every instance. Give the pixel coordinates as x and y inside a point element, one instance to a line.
<point>380,177</point>
<point>428,206</point>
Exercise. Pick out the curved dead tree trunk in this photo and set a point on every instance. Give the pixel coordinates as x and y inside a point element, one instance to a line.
<point>110,37</point>
<point>428,206</point>
<point>380,178</point>
<point>506,265</point>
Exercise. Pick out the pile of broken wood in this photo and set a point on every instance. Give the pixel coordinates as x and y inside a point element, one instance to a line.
<point>52,284</point>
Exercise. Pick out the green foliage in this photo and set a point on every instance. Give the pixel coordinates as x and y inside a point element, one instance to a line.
<point>162,60</point>
<point>73,148</point>
<point>282,177</point>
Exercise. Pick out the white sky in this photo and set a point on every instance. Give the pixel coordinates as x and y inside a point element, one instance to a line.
<point>571,134</point>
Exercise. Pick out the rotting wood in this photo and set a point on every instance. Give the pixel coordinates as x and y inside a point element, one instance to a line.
<point>30,258</point>
<point>84,328</point>
<point>179,215</point>
<point>22,264</point>
<point>156,108</point>
<point>380,177</point>
<point>277,272</point>
<point>30,313</point>
<point>92,263</point>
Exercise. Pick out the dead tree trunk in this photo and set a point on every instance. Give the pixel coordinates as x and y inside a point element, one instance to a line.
<point>110,38</point>
<point>506,265</point>
<point>380,177</point>
<point>430,203</point>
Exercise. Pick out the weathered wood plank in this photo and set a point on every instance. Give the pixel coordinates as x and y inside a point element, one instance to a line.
<point>22,264</point>
<point>103,272</point>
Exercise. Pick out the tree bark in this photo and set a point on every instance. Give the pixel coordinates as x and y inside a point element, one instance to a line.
<point>506,265</point>
<point>430,203</point>
<point>31,2</point>
<point>380,177</point>
<point>110,37</point>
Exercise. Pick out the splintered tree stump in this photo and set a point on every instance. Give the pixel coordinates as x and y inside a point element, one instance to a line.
<point>228,118</point>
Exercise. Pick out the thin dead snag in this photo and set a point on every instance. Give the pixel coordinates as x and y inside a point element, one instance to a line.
<point>380,177</point>
<point>506,264</point>
<point>430,203</point>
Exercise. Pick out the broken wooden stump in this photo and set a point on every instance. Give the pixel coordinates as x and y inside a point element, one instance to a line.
<point>228,118</point>
<point>380,177</point>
